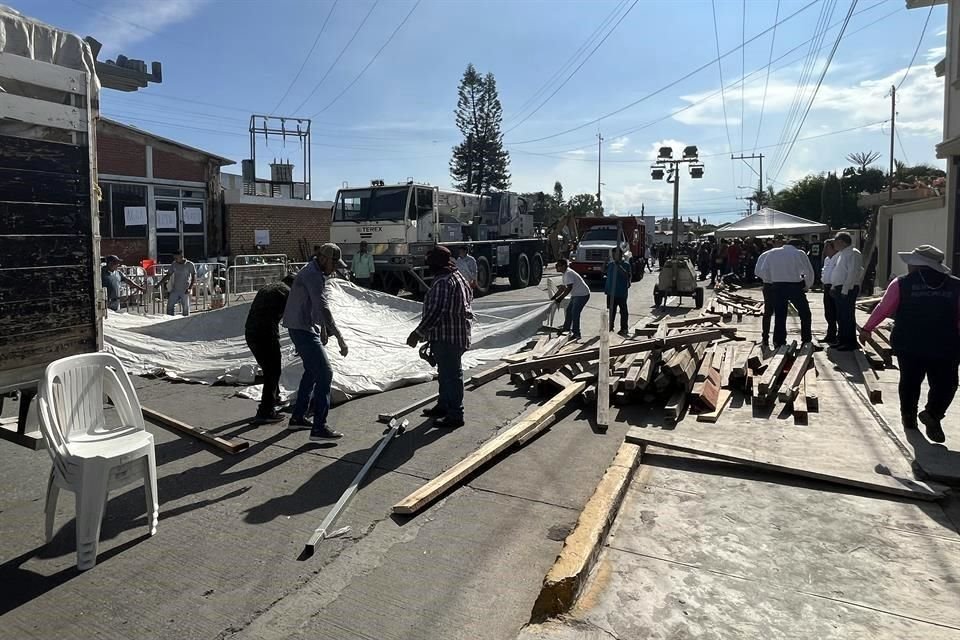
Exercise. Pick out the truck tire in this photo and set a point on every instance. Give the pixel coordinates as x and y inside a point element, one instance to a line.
<point>536,269</point>
<point>520,271</point>
<point>484,278</point>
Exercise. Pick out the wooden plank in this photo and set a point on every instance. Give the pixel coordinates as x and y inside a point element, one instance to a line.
<point>557,361</point>
<point>688,322</point>
<point>35,186</point>
<point>675,406</point>
<point>43,113</point>
<point>648,370</point>
<point>755,358</point>
<point>726,369</point>
<point>810,389</point>
<point>44,74</point>
<point>870,380</point>
<point>603,379</point>
<point>30,154</point>
<point>44,218</point>
<point>413,406</point>
<point>800,410</point>
<point>881,347</point>
<point>532,422</point>
<point>788,390</point>
<point>230,446</point>
<point>723,399</point>
<point>771,377</point>
<point>769,461</point>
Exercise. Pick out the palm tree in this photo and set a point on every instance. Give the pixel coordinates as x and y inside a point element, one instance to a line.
<point>863,159</point>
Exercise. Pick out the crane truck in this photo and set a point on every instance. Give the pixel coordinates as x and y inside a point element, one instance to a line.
<point>401,222</point>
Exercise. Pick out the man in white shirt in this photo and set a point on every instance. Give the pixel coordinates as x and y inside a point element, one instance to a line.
<point>829,304</point>
<point>790,273</point>
<point>845,287</point>
<point>467,266</point>
<point>769,303</point>
<point>574,285</point>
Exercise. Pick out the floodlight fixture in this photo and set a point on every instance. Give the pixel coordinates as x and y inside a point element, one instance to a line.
<point>656,173</point>
<point>690,153</point>
<point>696,171</point>
<point>666,153</point>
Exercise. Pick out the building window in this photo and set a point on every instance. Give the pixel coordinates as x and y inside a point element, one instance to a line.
<point>123,210</point>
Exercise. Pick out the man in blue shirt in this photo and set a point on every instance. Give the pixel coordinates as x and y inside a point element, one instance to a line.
<point>111,277</point>
<point>616,285</point>
<point>308,319</point>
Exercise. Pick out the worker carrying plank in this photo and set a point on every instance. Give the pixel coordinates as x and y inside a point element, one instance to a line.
<point>445,325</point>
<point>788,272</point>
<point>308,319</point>
<point>262,332</point>
<point>925,306</point>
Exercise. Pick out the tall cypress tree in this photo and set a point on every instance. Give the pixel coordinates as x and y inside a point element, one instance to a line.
<point>480,162</point>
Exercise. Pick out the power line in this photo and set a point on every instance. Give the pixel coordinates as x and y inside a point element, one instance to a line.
<point>902,150</point>
<point>766,84</point>
<point>316,41</point>
<point>706,65</point>
<point>816,89</point>
<point>339,55</point>
<point>723,96</point>
<point>579,66</point>
<point>372,60</point>
<point>743,70</point>
<point>732,85</point>
<point>576,54</point>
<point>917,49</point>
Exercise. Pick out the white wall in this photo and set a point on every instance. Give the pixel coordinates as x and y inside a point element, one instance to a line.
<point>911,228</point>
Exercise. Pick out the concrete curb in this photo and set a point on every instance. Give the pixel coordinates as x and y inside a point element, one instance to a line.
<point>569,573</point>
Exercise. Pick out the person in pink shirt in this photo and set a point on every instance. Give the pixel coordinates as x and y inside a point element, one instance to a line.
<point>925,306</point>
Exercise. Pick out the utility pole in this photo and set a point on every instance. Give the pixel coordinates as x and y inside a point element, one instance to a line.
<point>893,131</point>
<point>599,151</point>
<point>749,206</point>
<point>666,165</point>
<point>753,157</point>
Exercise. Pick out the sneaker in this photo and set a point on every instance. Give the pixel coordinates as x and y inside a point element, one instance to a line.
<point>448,423</point>
<point>623,332</point>
<point>270,418</point>
<point>934,430</point>
<point>298,424</point>
<point>325,435</point>
<point>909,420</point>
<point>434,412</point>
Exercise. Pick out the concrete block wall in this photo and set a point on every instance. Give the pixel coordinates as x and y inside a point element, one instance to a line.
<point>121,156</point>
<point>287,226</point>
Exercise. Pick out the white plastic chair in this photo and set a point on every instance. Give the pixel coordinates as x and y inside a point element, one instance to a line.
<point>89,458</point>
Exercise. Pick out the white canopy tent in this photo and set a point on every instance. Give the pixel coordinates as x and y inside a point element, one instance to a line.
<point>768,222</point>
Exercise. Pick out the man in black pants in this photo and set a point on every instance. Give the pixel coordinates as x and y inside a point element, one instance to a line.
<point>925,305</point>
<point>829,304</point>
<point>263,338</point>
<point>769,299</point>
<point>788,271</point>
<point>845,287</point>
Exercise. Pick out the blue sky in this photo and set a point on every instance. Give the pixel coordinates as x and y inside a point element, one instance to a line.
<point>224,60</point>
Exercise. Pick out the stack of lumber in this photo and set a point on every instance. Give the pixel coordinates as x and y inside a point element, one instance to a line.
<point>726,301</point>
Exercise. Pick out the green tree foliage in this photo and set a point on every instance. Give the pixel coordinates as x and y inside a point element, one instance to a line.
<point>863,159</point>
<point>866,181</point>
<point>832,201</point>
<point>583,205</point>
<point>479,163</point>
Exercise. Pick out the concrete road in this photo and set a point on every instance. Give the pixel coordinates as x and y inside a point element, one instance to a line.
<point>224,562</point>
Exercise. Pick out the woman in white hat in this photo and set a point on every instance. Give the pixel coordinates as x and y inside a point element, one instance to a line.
<point>925,306</point>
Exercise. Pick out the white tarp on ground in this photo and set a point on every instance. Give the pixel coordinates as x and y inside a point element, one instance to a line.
<point>768,222</point>
<point>210,347</point>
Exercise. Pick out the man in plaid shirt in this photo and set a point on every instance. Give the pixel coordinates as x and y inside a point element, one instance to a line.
<point>445,325</point>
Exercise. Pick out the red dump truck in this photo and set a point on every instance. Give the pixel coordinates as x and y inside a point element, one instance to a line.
<point>599,236</point>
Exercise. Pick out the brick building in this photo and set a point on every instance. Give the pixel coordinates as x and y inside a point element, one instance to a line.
<point>157,195</point>
<point>265,224</point>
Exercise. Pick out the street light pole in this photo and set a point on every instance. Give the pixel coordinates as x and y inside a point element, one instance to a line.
<point>599,151</point>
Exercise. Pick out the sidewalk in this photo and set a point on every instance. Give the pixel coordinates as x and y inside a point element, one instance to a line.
<point>703,548</point>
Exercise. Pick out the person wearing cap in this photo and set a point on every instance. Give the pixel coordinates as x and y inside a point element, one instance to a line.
<point>445,325</point>
<point>829,304</point>
<point>789,273</point>
<point>262,332</point>
<point>925,306</point>
<point>362,266</point>
<point>111,278</point>
<point>182,274</point>
<point>845,287</point>
<point>309,322</point>
<point>573,284</point>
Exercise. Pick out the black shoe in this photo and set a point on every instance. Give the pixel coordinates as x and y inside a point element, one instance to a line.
<point>909,420</point>
<point>847,347</point>
<point>828,339</point>
<point>434,412</point>
<point>269,418</point>
<point>934,430</point>
<point>325,435</point>
<point>448,423</point>
<point>298,424</point>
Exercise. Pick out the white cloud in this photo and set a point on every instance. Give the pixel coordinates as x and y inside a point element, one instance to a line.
<point>713,190</point>
<point>133,21</point>
<point>936,54</point>
<point>619,144</point>
<point>577,152</point>
<point>942,32</point>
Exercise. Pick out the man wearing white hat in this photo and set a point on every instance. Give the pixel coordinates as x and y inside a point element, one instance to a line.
<point>925,306</point>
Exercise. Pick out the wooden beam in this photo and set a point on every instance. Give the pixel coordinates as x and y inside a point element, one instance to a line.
<point>603,379</point>
<point>632,346</point>
<point>810,389</point>
<point>40,112</point>
<point>723,399</point>
<point>530,423</point>
<point>800,409</point>
<point>771,377</point>
<point>687,322</point>
<point>755,358</point>
<point>870,380</point>
<point>788,391</point>
<point>44,74</point>
<point>165,421</point>
<point>726,368</point>
<point>676,405</point>
<point>862,479</point>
